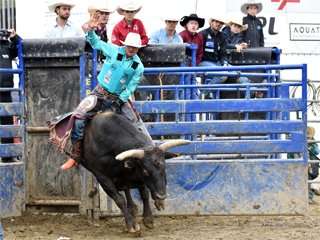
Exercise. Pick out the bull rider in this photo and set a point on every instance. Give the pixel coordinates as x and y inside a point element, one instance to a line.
<point>118,79</point>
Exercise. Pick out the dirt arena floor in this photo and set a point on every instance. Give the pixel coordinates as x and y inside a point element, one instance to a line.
<point>32,226</point>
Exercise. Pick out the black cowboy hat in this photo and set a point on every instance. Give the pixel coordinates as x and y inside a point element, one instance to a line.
<point>184,20</point>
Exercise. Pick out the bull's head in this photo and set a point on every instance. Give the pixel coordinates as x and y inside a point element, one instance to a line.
<point>153,168</point>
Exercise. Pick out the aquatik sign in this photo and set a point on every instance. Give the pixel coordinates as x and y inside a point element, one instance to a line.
<point>284,2</point>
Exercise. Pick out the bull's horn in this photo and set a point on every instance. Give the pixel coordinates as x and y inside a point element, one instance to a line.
<point>135,153</point>
<point>166,146</point>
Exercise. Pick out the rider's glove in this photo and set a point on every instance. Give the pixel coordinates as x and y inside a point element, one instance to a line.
<point>116,105</point>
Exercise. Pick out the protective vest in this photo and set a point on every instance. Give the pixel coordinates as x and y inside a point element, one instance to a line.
<point>114,78</point>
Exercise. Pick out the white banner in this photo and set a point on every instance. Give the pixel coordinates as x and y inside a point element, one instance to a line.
<point>304,32</point>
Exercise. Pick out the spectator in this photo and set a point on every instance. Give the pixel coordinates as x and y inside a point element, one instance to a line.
<point>253,36</point>
<point>128,24</point>
<point>8,51</point>
<point>190,35</point>
<point>214,49</point>
<point>62,27</point>
<point>232,30</point>
<point>313,168</point>
<point>167,34</point>
<point>103,11</point>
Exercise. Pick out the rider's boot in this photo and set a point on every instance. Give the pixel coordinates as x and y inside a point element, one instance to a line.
<point>75,155</point>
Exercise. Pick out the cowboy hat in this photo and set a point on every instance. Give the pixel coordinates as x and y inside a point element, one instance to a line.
<point>251,3</point>
<point>311,131</point>
<point>184,20</point>
<point>217,19</point>
<point>129,6</point>
<point>102,6</point>
<point>169,19</point>
<point>55,4</point>
<point>238,22</point>
<point>133,40</point>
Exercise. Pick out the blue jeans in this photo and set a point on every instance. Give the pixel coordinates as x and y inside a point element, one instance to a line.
<point>220,79</point>
<point>309,190</point>
<point>78,124</point>
<point>214,79</point>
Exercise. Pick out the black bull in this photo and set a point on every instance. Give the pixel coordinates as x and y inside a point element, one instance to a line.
<point>121,157</point>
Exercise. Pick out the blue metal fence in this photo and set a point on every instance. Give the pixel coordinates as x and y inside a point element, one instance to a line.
<point>237,173</point>
<point>12,175</point>
<point>213,177</point>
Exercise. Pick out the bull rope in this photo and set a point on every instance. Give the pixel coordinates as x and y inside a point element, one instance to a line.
<point>161,98</point>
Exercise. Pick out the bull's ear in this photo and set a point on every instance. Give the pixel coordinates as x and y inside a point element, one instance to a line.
<point>169,155</point>
<point>128,164</point>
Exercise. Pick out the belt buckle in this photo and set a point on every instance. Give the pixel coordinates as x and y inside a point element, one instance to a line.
<point>112,96</point>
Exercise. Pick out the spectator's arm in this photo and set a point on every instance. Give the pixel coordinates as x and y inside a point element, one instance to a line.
<point>200,51</point>
<point>15,42</point>
<point>223,55</point>
<point>261,40</point>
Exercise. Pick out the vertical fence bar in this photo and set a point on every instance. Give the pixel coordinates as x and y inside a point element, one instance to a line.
<point>23,114</point>
<point>8,14</point>
<point>82,76</point>
<point>3,14</point>
<point>304,109</point>
<point>182,76</point>
<point>188,97</point>
<point>94,68</point>
<point>13,16</point>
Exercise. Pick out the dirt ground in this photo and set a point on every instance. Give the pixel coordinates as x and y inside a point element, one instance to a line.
<point>35,226</point>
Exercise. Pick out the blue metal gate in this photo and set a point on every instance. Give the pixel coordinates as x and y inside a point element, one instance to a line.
<point>12,175</point>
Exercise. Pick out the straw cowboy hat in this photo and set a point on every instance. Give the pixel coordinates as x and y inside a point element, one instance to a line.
<point>102,6</point>
<point>244,6</point>
<point>133,40</point>
<point>56,4</point>
<point>217,19</point>
<point>184,20</point>
<point>129,6</point>
<point>169,19</point>
<point>311,131</point>
<point>238,22</point>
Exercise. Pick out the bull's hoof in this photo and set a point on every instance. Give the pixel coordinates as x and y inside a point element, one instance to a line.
<point>135,233</point>
<point>149,223</point>
<point>133,228</point>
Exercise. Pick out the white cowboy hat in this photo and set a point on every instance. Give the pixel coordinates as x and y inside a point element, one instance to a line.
<point>170,19</point>
<point>56,4</point>
<point>217,19</point>
<point>133,40</point>
<point>129,6</point>
<point>238,22</point>
<point>103,7</point>
<point>244,6</point>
